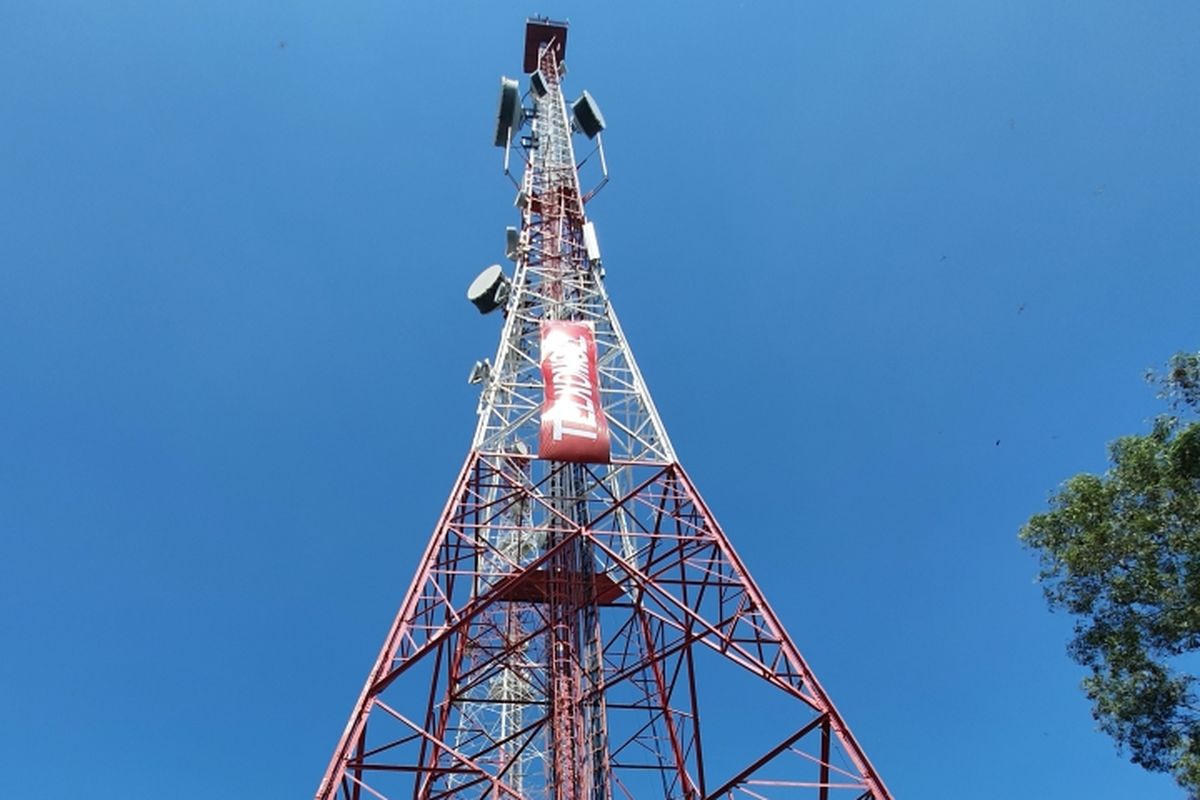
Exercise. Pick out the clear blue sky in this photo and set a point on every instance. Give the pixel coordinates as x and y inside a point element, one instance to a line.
<point>233,344</point>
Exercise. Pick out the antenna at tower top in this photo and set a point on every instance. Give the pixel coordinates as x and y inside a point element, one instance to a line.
<point>540,31</point>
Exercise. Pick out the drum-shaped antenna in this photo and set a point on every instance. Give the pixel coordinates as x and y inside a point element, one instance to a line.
<point>489,290</point>
<point>537,84</point>
<point>587,115</point>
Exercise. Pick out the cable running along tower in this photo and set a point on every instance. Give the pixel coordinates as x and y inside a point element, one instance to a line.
<point>579,626</point>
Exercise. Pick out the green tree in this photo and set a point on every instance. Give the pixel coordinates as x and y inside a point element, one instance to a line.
<point>1121,552</point>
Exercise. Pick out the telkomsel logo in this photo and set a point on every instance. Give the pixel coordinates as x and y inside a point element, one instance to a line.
<point>573,424</point>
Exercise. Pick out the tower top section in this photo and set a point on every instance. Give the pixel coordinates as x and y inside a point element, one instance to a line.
<point>563,371</point>
<point>540,31</point>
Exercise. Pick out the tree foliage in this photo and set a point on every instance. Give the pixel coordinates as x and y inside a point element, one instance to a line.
<point>1121,552</point>
<point>1179,384</point>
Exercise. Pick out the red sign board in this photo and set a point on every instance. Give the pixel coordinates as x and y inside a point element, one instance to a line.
<point>573,424</point>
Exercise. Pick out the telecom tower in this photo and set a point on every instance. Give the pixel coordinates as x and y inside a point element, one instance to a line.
<point>579,626</point>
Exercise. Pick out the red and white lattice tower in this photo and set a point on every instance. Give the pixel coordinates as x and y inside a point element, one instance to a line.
<point>579,626</point>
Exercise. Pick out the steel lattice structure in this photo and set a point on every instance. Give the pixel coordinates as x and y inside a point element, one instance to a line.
<point>573,629</point>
